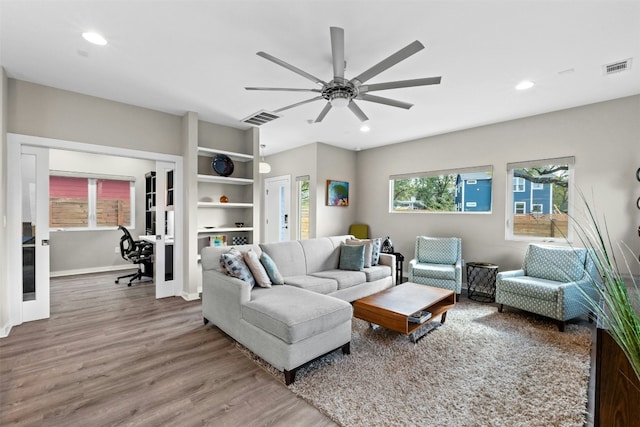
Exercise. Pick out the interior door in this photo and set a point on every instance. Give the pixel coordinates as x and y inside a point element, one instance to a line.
<point>165,271</point>
<point>34,214</point>
<point>277,209</point>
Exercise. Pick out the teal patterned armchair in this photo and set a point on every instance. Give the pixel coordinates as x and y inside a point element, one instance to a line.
<point>548,283</point>
<point>438,262</point>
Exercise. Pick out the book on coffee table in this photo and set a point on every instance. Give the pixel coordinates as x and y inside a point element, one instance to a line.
<point>420,316</point>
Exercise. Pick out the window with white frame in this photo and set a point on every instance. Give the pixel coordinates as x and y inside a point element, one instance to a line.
<point>553,179</point>
<point>442,191</point>
<point>518,185</point>
<point>90,202</point>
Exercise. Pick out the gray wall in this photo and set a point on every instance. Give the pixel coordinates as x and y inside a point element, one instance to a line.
<point>320,162</point>
<point>53,113</point>
<point>603,137</point>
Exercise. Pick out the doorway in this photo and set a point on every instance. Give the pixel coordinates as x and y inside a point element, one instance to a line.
<point>277,208</point>
<point>19,146</point>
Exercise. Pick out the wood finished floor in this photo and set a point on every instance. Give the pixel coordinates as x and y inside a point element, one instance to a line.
<point>114,355</point>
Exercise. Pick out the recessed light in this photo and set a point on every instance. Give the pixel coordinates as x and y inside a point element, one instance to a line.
<point>365,128</point>
<point>94,38</point>
<point>526,84</point>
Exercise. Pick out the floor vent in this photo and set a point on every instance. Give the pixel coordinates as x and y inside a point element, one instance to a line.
<point>260,118</point>
<point>617,67</point>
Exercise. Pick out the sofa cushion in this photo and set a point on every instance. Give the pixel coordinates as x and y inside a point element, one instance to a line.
<point>320,254</point>
<point>271,269</point>
<point>320,285</point>
<point>288,256</point>
<point>435,271</point>
<point>236,266</point>
<point>293,314</point>
<point>377,272</point>
<point>368,249</point>
<point>352,257</point>
<point>345,279</point>
<point>257,269</point>
<point>559,263</point>
<point>437,250</point>
<point>531,287</point>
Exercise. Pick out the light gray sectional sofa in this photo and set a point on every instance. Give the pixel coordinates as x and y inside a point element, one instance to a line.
<point>292,324</point>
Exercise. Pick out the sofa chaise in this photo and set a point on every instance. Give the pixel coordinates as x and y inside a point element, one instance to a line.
<point>294,323</point>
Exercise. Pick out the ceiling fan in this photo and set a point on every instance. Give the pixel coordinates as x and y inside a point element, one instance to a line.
<point>340,92</point>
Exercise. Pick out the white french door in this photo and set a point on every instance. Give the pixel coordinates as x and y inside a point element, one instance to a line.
<point>31,216</point>
<point>164,248</point>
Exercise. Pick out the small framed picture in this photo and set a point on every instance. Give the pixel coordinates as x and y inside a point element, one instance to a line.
<point>337,193</point>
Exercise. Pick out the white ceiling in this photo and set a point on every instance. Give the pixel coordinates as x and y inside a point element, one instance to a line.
<point>180,55</point>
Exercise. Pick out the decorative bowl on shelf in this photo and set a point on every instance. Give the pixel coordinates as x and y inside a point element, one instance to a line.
<point>224,199</point>
<point>239,224</point>
<point>222,165</point>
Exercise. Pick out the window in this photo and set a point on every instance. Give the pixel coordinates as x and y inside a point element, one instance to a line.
<point>442,191</point>
<point>518,185</point>
<point>88,202</point>
<point>302,185</point>
<point>543,214</point>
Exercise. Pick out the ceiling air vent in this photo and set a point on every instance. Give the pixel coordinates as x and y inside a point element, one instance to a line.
<point>260,118</point>
<point>617,67</point>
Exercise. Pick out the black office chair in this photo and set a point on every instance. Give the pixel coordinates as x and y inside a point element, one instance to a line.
<point>137,252</point>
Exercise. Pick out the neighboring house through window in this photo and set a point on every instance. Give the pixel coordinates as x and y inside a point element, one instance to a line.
<point>541,196</point>
<point>90,202</point>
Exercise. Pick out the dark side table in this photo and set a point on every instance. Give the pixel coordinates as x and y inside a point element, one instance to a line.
<point>481,281</point>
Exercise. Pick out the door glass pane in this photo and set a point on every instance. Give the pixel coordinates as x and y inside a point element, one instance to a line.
<point>28,191</point>
<point>303,208</point>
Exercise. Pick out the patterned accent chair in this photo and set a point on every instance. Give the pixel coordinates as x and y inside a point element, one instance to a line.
<point>438,262</point>
<point>548,283</point>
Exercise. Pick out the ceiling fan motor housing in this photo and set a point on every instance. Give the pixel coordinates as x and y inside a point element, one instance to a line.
<point>338,89</point>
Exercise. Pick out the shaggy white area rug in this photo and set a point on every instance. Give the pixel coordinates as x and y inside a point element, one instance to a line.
<point>480,368</point>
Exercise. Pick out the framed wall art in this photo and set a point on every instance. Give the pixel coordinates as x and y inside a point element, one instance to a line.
<point>337,193</point>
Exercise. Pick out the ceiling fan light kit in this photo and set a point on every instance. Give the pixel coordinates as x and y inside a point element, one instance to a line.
<point>340,92</point>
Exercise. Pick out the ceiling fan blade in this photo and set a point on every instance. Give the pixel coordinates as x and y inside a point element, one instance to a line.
<point>283,89</point>
<point>297,104</point>
<point>386,101</point>
<point>399,84</point>
<point>291,67</point>
<point>392,60</point>
<point>323,113</point>
<point>357,111</point>
<point>337,51</point>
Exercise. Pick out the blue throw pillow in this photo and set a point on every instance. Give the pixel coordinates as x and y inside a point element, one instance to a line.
<point>375,250</point>
<point>272,271</point>
<point>236,266</point>
<point>352,257</point>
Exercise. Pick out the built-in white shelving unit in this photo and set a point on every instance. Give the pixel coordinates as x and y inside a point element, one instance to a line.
<point>215,218</point>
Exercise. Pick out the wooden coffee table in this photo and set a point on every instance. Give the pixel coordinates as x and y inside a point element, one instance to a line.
<point>392,307</point>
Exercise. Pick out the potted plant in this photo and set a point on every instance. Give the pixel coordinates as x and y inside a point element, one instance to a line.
<point>616,306</point>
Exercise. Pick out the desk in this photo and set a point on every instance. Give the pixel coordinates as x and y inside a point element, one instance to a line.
<point>168,253</point>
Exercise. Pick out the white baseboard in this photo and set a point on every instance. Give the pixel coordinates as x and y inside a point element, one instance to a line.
<point>92,270</point>
<point>190,297</point>
<point>5,330</point>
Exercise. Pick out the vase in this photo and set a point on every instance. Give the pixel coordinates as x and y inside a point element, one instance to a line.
<point>387,246</point>
<point>224,199</point>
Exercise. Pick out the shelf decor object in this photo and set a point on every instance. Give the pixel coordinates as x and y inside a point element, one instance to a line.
<point>222,165</point>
